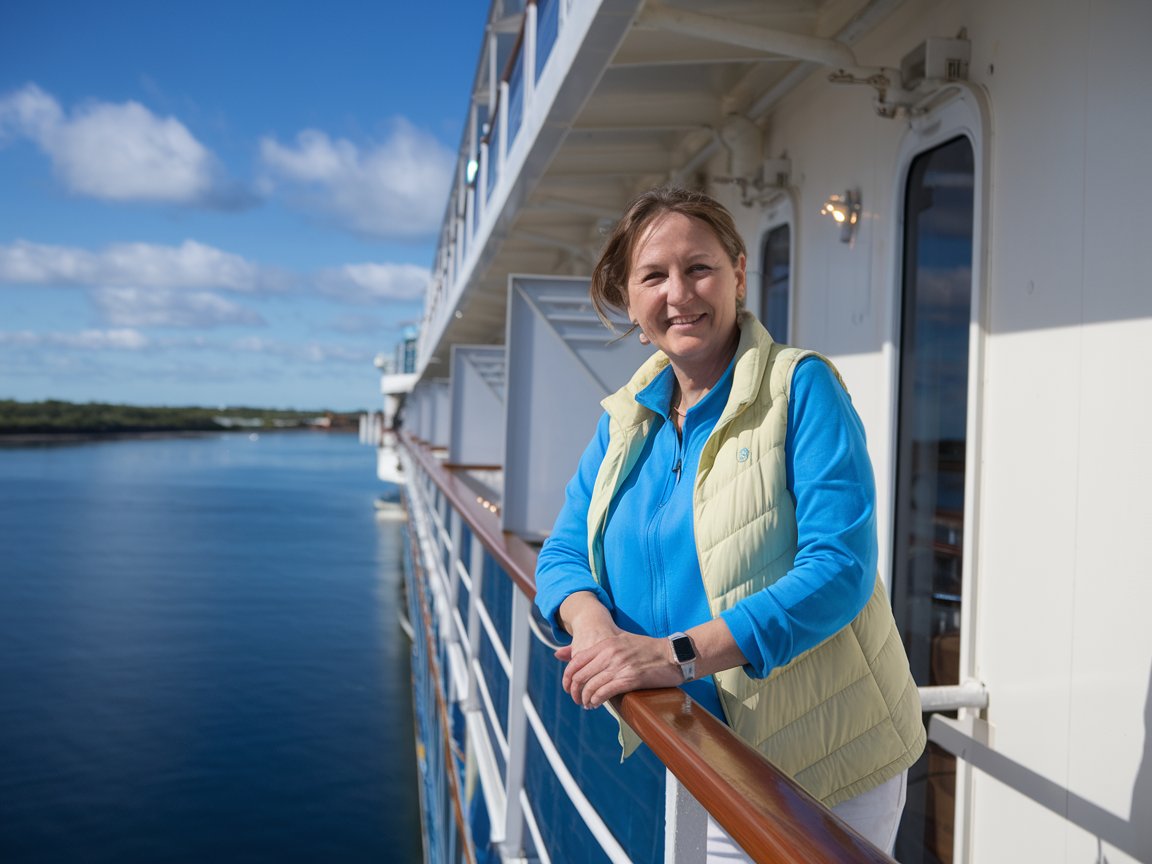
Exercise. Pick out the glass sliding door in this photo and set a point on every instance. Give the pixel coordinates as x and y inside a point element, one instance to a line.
<point>931,459</point>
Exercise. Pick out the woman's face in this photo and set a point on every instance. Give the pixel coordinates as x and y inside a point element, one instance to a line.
<point>682,290</point>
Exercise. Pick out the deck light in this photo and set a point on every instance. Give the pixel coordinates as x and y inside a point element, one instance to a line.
<point>845,209</point>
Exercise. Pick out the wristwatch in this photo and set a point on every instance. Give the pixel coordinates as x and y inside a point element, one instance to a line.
<point>684,654</point>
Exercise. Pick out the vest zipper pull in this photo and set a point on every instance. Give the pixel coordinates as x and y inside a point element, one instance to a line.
<point>676,469</point>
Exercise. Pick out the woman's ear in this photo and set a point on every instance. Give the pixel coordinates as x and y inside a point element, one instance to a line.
<point>642,336</point>
<point>741,279</point>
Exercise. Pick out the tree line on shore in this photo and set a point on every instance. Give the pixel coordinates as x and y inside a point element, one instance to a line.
<point>53,416</point>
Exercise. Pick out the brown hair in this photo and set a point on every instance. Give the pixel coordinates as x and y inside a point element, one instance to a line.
<point>609,289</point>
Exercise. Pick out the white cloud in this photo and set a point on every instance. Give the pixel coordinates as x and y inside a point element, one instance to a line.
<point>162,307</point>
<point>395,189</point>
<point>84,340</point>
<point>118,151</point>
<point>359,324</point>
<point>365,284</point>
<point>307,352</point>
<point>189,265</point>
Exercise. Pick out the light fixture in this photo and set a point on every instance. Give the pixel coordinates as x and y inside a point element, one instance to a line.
<point>845,209</point>
<point>470,171</point>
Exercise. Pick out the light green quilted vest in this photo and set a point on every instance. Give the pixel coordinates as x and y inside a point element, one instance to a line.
<point>842,717</point>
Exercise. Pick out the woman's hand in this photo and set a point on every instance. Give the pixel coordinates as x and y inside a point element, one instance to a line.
<point>604,660</point>
<point>616,663</point>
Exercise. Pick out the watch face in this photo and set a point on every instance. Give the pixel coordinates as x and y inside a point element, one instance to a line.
<point>682,648</point>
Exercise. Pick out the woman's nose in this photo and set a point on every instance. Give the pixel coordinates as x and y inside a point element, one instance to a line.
<point>679,288</point>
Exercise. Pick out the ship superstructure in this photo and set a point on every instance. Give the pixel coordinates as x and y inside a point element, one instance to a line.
<point>947,199</point>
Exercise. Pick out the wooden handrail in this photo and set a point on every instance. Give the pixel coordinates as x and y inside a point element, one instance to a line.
<point>765,811</point>
<point>515,557</point>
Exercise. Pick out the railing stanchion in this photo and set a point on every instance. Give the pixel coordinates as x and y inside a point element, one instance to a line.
<point>476,571</point>
<point>502,125</point>
<point>517,726</point>
<point>685,825</point>
<point>529,54</point>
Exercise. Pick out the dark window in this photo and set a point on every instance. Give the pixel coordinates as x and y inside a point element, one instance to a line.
<point>776,284</point>
<point>931,460</point>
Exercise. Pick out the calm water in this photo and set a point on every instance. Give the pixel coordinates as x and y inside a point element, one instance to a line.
<point>199,655</point>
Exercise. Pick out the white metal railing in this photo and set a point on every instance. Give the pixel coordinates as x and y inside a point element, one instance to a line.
<point>438,527</point>
<point>970,694</point>
<point>504,795</point>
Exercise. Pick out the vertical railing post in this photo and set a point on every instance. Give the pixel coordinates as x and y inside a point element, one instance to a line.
<point>493,71</point>
<point>450,257</point>
<point>470,213</point>
<point>529,53</point>
<point>460,238</point>
<point>476,571</point>
<point>517,726</point>
<point>503,128</point>
<point>685,825</point>
<point>482,182</point>
<point>455,531</point>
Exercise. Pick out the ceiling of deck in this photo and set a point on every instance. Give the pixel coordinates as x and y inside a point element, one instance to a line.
<point>656,105</point>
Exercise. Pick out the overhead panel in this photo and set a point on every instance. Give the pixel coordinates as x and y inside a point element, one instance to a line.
<point>477,405</point>
<point>561,363</point>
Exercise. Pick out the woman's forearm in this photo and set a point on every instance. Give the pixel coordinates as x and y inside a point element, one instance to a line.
<point>583,609</point>
<point>716,648</point>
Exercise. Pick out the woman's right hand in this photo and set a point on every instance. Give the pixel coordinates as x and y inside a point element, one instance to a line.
<point>604,661</point>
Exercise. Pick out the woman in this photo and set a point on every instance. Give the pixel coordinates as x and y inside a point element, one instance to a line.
<point>719,533</point>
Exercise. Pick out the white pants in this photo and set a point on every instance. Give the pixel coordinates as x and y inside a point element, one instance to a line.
<point>875,814</point>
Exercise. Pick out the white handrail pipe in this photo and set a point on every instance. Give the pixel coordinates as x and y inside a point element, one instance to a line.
<point>970,694</point>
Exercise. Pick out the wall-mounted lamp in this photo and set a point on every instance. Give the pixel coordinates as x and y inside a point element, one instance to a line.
<point>845,209</point>
<point>470,170</point>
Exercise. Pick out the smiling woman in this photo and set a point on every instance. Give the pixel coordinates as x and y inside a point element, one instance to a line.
<point>720,528</point>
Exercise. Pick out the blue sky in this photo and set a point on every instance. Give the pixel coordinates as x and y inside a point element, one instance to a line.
<point>222,203</point>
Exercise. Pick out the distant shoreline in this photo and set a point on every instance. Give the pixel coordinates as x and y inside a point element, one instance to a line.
<point>56,422</point>
<point>23,439</point>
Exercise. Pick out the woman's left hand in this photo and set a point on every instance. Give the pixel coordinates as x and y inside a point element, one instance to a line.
<point>615,665</point>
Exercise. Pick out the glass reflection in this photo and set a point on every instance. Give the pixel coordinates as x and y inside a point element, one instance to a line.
<point>931,457</point>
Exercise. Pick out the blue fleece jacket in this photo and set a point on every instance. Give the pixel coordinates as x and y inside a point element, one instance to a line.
<point>652,582</point>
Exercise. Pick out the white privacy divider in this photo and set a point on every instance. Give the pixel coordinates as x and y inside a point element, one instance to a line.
<point>477,405</point>
<point>561,362</point>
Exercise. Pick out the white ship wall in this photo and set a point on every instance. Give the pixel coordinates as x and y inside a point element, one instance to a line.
<point>1059,511</point>
<point>1062,582</point>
